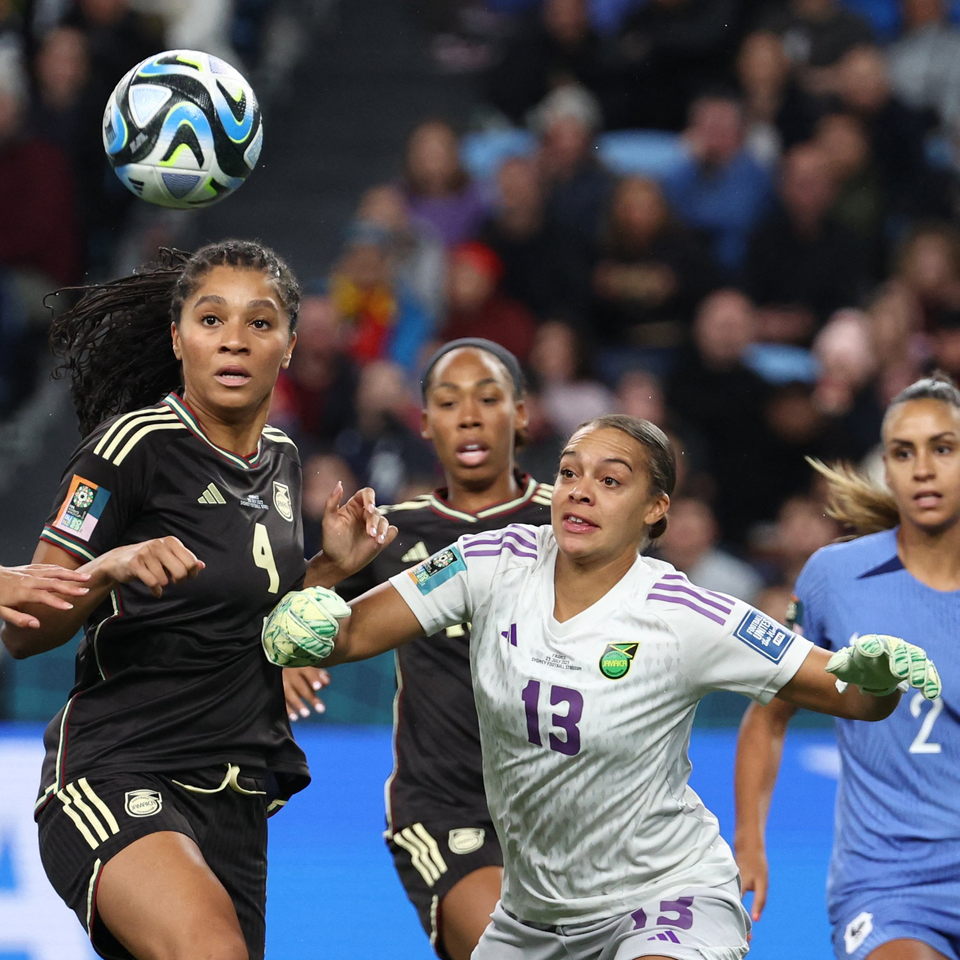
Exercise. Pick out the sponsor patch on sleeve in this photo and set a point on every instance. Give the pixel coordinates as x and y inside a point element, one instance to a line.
<point>795,615</point>
<point>82,508</point>
<point>766,636</point>
<point>437,569</point>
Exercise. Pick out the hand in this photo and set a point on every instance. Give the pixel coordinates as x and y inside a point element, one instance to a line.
<point>878,664</point>
<point>44,583</point>
<point>754,876</point>
<point>155,563</point>
<point>300,686</point>
<point>353,534</point>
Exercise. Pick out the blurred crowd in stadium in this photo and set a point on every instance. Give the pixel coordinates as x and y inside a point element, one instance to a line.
<point>735,218</point>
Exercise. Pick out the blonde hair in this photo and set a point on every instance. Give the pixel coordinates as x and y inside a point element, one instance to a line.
<point>855,500</point>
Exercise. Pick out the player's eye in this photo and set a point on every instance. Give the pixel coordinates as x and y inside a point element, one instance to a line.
<point>944,448</point>
<point>610,482</point>
<point>209,319</point>
<point>566,473</point>
<point>261,324</point>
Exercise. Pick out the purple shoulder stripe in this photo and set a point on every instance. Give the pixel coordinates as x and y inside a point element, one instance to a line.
<point>497,537</point>
<point>687,603</point>
<point>494,550</point>
<point>723,604</point>
<point>682,576</point>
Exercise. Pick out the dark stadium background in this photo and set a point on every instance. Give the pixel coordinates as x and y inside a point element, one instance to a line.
<point>738,218</point>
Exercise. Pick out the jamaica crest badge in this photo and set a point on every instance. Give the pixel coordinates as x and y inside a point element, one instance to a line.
<point>616,659</point>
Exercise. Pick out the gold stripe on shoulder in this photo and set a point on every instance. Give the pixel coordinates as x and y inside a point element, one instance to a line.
<point>131,426</point>
<point>543,501</point>
<point>143,432</point>
<point>122,423</point>
<point>277,435</point>
<point>417,504</point>
<point>545,488</point>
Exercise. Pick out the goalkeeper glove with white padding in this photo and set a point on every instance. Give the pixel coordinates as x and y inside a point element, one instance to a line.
<point>878,665</point>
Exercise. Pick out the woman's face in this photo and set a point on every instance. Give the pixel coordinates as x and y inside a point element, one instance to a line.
<point>432,157</point>
<point>232,338</point>
<point>921,454</point>
<point>472,416</point>
<point>603,503</point>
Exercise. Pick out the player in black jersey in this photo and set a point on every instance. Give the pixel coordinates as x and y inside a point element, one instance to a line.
<point>184,509</point>
<point>438,826</point>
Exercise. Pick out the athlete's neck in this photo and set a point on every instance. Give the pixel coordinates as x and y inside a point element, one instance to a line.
<point>237,431</point>
<point>472,500</point>
<point>578,586</point>
<point>933,557</point>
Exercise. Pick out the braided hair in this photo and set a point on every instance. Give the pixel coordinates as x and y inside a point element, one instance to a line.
<point>114,344</point>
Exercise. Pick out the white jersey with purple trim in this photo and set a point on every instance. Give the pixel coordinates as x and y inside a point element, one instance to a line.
<point>585,724</point>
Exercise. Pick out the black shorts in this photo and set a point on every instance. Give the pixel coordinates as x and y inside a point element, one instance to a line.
<point>93,818</point>
<point>432,856</point>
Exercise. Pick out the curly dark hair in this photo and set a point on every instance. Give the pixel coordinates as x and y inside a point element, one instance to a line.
<point>114,344</point>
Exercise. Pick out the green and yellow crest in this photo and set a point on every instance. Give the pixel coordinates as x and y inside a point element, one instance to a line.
<point>616,659</point>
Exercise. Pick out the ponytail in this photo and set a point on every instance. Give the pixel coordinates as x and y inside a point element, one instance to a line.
<point>856,501</point>
<point>114,345</point>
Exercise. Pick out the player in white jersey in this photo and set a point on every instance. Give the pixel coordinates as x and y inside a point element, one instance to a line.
<point>43,583</point>
<point>588,662</point>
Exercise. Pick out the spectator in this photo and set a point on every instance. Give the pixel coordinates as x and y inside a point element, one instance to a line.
<point>894,325</point>
<point>559,363</point>
<point>118,38</point>
<point>438,189</point>
<point>718,396</point>
<point>896,132</point>
<point>816,35</point>
<point>640,394</point>
<point>778,114</point>
<point>924,64</point>
<point>690,544</point>
<point>577,186</point>
<point>802,266</point>
<point>387,321</point>
<point>381,450</point>
<point>928,267</point>
<point>39,238</point>
<point>541,268</point>
<point>861,202</point>
<point>321,472</point>
<point>476,308</point>
<point>313,399</point>
<point>845,389</point>
<point>540,454</point>
<point>673,49</point>
<point>801,528</point>
<point>719,188</point>
<point>555,45</point>
<point>650,275</point>
<point>415,248</point>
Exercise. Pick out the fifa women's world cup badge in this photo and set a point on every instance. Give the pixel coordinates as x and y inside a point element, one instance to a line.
<point>616,659</point>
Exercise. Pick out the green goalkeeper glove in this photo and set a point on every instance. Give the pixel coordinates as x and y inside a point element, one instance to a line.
<point>878,664</point>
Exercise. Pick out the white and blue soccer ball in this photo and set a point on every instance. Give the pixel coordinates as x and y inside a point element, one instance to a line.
<point>182,129</point>
<point>302,627</point>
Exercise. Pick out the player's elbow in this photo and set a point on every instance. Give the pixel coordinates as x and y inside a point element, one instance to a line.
<point>15,643</point>
<point>864,706</point>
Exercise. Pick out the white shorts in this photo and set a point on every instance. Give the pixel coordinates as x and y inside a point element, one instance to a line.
<point>701,923</point>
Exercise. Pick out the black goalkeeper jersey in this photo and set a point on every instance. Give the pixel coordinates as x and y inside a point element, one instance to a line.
<point>438,769</point>
<point>180,682</point>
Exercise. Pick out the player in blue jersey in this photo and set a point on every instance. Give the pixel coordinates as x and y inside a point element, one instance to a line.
<point>894,886</point>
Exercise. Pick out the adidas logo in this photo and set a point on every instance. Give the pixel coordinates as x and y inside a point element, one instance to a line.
<point>211,495</point>
<point>416,553</point>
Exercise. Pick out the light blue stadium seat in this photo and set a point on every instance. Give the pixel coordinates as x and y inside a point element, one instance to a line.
<point>644,153</point>
<point>483,152</point>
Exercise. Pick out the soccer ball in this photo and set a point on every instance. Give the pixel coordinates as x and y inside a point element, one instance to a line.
<point>301,628</point>
<point>182,129</point>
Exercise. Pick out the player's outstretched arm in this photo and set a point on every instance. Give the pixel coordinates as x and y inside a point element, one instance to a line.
<point>759,749</point>
<point>813,688</point>
<point>379,621</point>
<point>46,584</point>
<point>155,563</point>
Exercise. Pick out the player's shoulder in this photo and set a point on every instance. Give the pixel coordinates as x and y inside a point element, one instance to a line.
<point>134,434</point>
<point>668,594</point>
<point>409,512</point>
<point>276,442</point>
<point>850,559</point>
<point>516,544</point>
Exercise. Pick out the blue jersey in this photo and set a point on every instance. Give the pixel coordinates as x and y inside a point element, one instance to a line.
<point>897,819</point>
